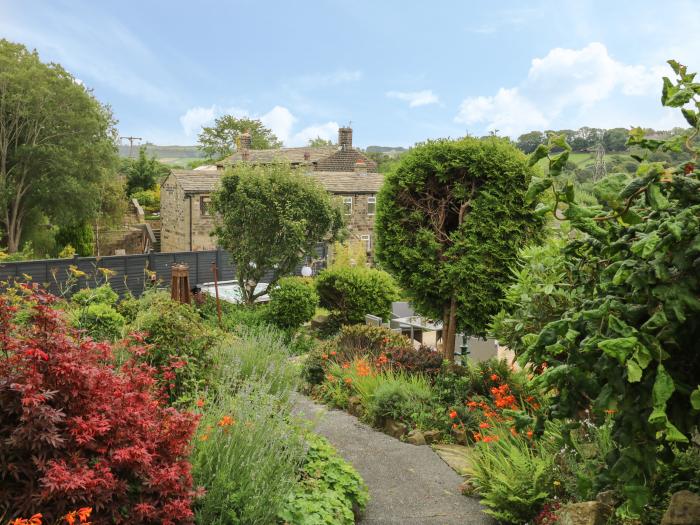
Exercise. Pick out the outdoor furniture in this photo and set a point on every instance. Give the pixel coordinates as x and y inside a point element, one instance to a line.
<point>415,325</point>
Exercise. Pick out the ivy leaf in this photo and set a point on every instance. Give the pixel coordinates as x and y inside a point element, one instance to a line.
<point>540,153</point>
<point>695,398</point>
<point>537,186</point>
<point>673,434</point>
<point>655,198</point>
<point>663,387</point>
<point>656,321</point>
<point>691,116</point>
<point>619,348</point>
<point>634,371</point>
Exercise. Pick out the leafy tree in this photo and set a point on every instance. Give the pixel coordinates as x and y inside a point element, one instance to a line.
<point>143,173</point>
<point>79,236</point>
<point>57,143</point>
<point>630,344</point>
<point>450,220</point>
<point>528,142</point>
<point>319,142</point>
<point>270,219</point>
<point>615,139</point>
<point>221,139</point>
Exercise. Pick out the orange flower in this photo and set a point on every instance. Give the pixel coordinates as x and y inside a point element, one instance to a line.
<point>455,426</point>
<point>610,411</point>
<point>494,377</point>
<point>453,414</point>
<point>70,517</point>
<point>529,434</point>
<point>484,425</point>
<point>334,352</point>
<point>203,438</point>
<point>477,436</point>
<point>348,380</point>
<point>346,365</point>
<point>36,519</point>
<point>200,403</point>
<point>489,439</point>
<point>324,356</point>
<point>330,377</point>
<point>472,404</point>
<point>84,514</point>
<point>513,431</point>
<point>226,421</point>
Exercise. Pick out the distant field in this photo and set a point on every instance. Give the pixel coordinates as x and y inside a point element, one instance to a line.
<point>179,153</point>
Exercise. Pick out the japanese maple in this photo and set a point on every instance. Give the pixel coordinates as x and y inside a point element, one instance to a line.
<point>78,431</point>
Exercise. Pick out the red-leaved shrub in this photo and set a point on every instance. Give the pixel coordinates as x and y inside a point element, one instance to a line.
<point>76,431</point>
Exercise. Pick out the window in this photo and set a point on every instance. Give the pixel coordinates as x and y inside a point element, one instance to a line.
<point>347,205</point>
<point>204,205</point>
<point>371,205</point>
<point>367,239</point>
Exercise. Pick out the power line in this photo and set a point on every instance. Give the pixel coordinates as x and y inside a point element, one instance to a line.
<point>131,142</point>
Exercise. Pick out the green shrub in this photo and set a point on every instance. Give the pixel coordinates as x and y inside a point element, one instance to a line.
<point>329,491</point>
<point>129,307</point>
<point>254,355</point>
<point>101,321</point>
<point>351,293</point>
<point>247,455</point>
<point>416,360</point>
<point>102,294</point>
<point>180,341</point>
<point>148,199</point>
<point>352,341</point>
<point>293,302</point>
<point>399,396</point>
<point>513,476</point>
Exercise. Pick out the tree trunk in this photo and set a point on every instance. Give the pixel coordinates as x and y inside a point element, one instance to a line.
<point>449,331</point>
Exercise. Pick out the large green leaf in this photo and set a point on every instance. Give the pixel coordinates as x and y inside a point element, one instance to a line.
<point>620,348</point>
<point>663,387</point>
<point>634,371</point>
<point>695,398</point>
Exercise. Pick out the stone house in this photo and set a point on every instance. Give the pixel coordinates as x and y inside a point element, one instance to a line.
<point>344,171</point>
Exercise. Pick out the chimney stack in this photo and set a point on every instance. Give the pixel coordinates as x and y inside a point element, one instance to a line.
<point>245,140</point>
<point>345,138</point>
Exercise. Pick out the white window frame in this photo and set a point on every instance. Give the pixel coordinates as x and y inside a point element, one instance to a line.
<point>372,200</point>
<point>346,201</point>
<point>367,239</point>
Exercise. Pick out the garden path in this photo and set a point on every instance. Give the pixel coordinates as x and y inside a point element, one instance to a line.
<point>408,485</point>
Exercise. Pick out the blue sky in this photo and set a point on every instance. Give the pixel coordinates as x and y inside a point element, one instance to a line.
<point>400,71</point>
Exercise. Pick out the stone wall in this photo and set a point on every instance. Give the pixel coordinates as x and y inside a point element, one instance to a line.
<point>174,212</point>
<point>176,208</point>
<point>360,223</point>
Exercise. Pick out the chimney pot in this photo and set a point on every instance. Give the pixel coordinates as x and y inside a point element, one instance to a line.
<point>345,138</point>
<point>245,140</point>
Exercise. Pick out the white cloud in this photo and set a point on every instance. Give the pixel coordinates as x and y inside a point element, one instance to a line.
<point>415,98</point>
<point>280,120</point>
<point>197,117</point>
<point>507,111</point>
<point>324,80</point>
<point>327,131</point>
<point>563,87</point>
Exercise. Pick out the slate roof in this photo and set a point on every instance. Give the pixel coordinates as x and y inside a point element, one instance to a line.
<point>197,181</point>
<point>324,158</point>
<point>338,182</point>
<point>292,155</point>
<point>348,181</point>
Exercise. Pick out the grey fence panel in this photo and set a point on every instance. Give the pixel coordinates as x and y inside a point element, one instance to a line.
<point>129,270</point>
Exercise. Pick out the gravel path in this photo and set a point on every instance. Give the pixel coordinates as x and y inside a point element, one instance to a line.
<point>408,485</point>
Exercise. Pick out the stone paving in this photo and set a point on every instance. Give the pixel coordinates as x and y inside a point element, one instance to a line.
<point>408,484</point>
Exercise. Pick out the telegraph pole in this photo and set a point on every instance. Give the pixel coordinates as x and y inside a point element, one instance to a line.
<point>131,142</point>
